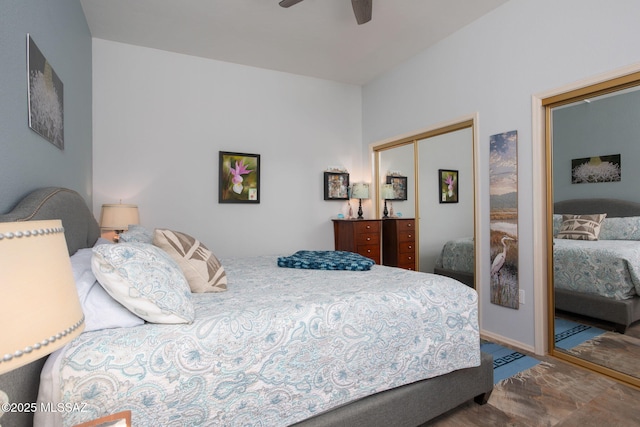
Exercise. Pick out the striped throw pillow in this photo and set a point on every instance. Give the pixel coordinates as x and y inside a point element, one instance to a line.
<point>581,227</point>
<point>200,266</point>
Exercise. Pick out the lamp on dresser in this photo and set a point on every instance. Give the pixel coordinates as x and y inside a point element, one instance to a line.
<point>118,218</point>
<point>387,194</point>
<point>360,191</point>
<point>39,307</point>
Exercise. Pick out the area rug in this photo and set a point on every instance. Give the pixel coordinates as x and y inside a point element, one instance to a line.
<point>507,362</point>
<point>570,334</point>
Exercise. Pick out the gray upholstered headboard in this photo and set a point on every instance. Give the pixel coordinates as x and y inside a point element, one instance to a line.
<point>81,230</point>
<point>80,227</point>
<point>612,207</point>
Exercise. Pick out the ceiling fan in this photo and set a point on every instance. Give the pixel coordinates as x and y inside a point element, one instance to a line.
<point>361,8</point>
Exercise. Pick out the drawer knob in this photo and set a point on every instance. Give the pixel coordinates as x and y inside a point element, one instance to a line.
<point>410,257</point>
<point>368,238</point>
<point>410,236</point>
<point>409,225</point>
<point>369,251</point>
<point>410,247</point>
<point>368,227</point>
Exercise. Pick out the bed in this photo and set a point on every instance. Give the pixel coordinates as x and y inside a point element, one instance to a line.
<point>411,350</point>
<point>456,260</point>
<point>604,284</point>
<point>599,279</point>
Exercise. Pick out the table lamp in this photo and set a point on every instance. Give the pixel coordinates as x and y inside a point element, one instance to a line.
<point>387,194</point>
<point>39,307</point>
<point>118,217</point>
<point>360,191</point>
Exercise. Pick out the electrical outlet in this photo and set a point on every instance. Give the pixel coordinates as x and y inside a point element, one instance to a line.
<point>521,296</point>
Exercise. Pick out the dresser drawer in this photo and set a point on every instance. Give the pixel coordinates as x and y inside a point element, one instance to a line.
<point>407,247</point>
<point>367,227</point>
<point>407,236</point>
<point>406,258</point>
<point>368,239</point>
<point>370,251</point>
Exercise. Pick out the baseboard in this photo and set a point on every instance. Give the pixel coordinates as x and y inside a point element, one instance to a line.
<point>499,339</point>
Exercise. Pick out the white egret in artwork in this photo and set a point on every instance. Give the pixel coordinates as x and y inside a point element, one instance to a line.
<point>499,260</point>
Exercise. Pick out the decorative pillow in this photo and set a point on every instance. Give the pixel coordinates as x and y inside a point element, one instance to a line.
<point>100,310</point>
<point>199,265</point>
<point>581,227</point>
<point>144,279</point>
<point>136,233</point>
<point>626,228</point>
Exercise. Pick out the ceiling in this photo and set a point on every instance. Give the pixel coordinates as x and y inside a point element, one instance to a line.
<point>317,38</point>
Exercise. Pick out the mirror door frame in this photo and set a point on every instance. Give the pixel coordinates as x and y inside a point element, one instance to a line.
<point>543,197</point>
<point>469,121</point>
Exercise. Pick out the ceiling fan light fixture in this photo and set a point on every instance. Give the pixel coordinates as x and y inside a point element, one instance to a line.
<point>289,3</point>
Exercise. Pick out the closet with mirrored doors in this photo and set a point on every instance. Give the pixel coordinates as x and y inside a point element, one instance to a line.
<point>425,190</point>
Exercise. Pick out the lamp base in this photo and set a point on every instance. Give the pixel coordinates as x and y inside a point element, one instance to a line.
<point>360,210</point>
<point>385,212</point>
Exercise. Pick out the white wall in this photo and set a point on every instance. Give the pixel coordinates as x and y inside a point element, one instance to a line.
<point>161,118</point>
<point>493,67</point>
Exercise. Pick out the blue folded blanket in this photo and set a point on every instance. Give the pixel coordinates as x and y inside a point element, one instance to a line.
<point>326,260</point>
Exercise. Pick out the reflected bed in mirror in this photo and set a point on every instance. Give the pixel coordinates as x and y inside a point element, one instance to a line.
<point>595,282</point>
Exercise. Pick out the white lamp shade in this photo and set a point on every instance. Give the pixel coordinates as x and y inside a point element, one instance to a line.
<point>387,192</point>
<point>360,190</point>
<point>118,216</point>
<point>39,307</point>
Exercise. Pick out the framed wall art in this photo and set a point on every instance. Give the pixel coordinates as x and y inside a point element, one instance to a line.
<point>336,186</point>
<point>399,184</point>
<point>596,169</point>
<point>448,188</point>
<point>239,180</point>
<point>45,96</point>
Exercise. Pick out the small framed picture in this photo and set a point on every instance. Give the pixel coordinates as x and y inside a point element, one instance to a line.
<point>336,186</point>
<point>399,184</point>
<point>121,419</point>
<point>239,180</point>
<point>448,188</point>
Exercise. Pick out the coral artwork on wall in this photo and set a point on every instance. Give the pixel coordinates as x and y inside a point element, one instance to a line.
<point>46,110</point>
<point>596,169</point>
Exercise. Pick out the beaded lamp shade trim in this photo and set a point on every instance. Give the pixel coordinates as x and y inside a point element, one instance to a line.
<point>46,341</point>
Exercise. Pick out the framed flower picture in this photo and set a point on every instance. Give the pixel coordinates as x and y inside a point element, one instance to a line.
<point>448,185</point>
<point>239,180</point>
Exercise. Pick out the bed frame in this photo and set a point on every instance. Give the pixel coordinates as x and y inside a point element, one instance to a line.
<point>409,405</point>
<point>620,313</point>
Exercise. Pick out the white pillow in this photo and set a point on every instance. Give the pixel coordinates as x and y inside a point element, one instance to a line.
<point>144,279</point>
<point>100,310</point>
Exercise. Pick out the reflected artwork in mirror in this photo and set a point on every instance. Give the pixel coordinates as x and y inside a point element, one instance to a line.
<point>594,253</point>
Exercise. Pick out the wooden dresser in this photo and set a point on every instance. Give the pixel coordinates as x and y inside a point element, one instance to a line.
<point>399,243</point>
<point>361,236</point>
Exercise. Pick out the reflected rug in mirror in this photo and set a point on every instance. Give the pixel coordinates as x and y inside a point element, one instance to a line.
<point>507,362</point>
<point>569,334</point>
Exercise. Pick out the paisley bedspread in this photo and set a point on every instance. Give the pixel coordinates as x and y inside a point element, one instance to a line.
<point>279,346</point>
<point>457,255</point>
<point>609,268</point>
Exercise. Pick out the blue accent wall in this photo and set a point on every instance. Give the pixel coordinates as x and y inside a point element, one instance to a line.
<point>28,161</point>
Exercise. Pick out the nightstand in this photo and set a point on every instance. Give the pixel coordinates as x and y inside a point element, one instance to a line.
<point>361,236</point>
<point>399,242</point>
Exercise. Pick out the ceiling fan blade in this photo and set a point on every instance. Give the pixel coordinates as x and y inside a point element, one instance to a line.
<point>288,3</point>
<point>362,10</point>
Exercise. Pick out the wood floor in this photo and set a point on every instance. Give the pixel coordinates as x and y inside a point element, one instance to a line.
<point>553,393</point>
